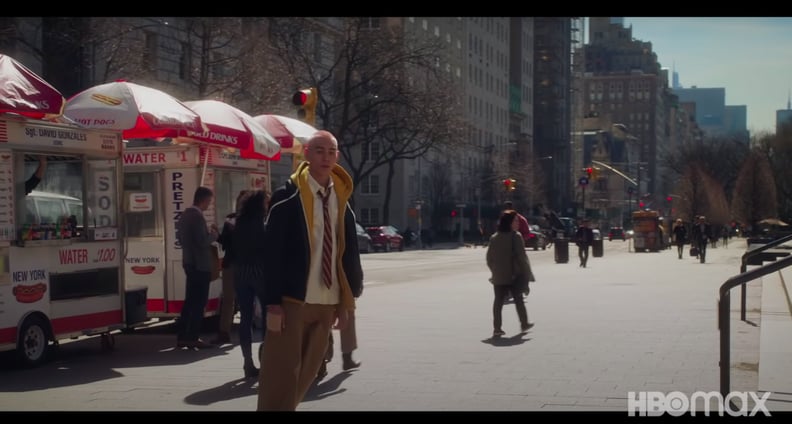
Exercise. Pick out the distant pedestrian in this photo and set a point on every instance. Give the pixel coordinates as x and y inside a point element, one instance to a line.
<point>523,228</point>
<point>680,236</point>
<point>511,271</point>
<point>700,236</point>
<point>584,238</point>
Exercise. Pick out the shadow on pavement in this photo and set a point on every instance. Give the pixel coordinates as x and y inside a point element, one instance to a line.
<point>84,361</point>
<point>241,387</point>
<point>327,388</point>
<point>514,340</point>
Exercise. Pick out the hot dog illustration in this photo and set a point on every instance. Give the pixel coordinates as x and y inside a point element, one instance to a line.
<point>111,101</point>
<point>143,270</point>
<point>29,293</point>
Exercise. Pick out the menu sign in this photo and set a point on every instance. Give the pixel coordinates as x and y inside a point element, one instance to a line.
<point>6,196</point>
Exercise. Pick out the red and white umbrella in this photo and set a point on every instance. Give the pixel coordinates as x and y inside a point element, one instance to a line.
<point>137,110</point>
<point>232,128</point>
<point>25,93</point>
<point>286,129</point>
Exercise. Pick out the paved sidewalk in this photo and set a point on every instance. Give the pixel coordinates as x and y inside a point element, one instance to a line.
<point>628,322</point>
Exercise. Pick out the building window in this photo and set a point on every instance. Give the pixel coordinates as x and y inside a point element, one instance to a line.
<point>371,23</point>
<point>370,185</point>
<point>151,52</point>
<point>185,62</point>
<point>369,216</point>
<point>425,24</point>
<point>371,151</point>
<point>411,19</point>
<point>437,31</point>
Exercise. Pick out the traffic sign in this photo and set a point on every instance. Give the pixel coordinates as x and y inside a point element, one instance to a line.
<point>583,181</point>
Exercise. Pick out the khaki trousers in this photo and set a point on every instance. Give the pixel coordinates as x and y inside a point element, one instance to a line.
<point>348,338</point>
<point>227,303</point>
<point>291,359</point>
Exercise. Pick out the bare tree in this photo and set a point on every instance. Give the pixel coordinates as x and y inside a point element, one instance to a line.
<point>438,191</point>
<point>777,149</point>
<point>755,193</point>
<point>701,194</point>
<point>381,93</point>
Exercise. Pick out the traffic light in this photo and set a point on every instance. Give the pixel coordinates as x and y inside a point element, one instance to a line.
<point>453,213</point>
<point>306,100</point>
<point>589,171</point>
<point>509,184</point>
<point>641,204</point>
<point>669,199</point>
<point>595,173</point>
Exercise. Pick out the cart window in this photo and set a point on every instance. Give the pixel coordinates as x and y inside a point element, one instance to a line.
<point>142,224</point>
<point>47,182</point>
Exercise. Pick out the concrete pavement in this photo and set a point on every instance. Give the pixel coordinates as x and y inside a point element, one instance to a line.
<point>628,322</point>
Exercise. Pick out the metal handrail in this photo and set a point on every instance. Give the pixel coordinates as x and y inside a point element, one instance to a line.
<point>744,266</point>
<point>723,312</point>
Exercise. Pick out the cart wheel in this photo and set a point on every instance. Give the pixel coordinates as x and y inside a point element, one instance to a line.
<point>108,342</point>
<point>33,344</point>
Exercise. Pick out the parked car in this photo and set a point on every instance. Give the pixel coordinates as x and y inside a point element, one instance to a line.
<point>364,240</point>
<point>385,238</point>
<point>616,233</point>
<point>536,238</point>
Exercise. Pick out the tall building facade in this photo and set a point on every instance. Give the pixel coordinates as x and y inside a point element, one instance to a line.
<point>624,86</point>
<point>553,106</point>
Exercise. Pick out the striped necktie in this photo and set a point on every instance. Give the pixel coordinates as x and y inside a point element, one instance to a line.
<point>327,241</point>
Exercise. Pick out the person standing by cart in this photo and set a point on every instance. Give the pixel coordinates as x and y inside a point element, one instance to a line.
<point>249,269</point>
<point>228,302</point>
<point>195,239</point>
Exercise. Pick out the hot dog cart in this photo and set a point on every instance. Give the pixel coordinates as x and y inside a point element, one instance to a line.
<point>60,244</point>
<point>159,183</point>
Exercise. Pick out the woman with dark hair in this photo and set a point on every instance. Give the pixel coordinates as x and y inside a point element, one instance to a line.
<point>249,269</point>
<point>226,240</point>
<point>510,269</point>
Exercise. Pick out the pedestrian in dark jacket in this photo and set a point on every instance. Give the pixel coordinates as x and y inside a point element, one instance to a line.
<point>314,270</point>
<point>701,234</point>
<point>195,239</point>
<point>584,238</point>
<point>228,302</point>
<point>680,236</point>
<point>250,274</point>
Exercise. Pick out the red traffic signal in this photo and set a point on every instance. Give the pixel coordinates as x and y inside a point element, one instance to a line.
<point>589,171</point>
<point>507,182</point>
<point>453,213</point>
<point>668,199</point>
<point>641,204</point>
<point>300,98</point>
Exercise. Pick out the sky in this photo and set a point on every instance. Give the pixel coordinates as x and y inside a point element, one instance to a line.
<point>750,57</point>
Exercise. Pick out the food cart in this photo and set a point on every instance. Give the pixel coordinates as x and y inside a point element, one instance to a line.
<point>647,231</point>
<point>60,244</point>
<point>159,182</point>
